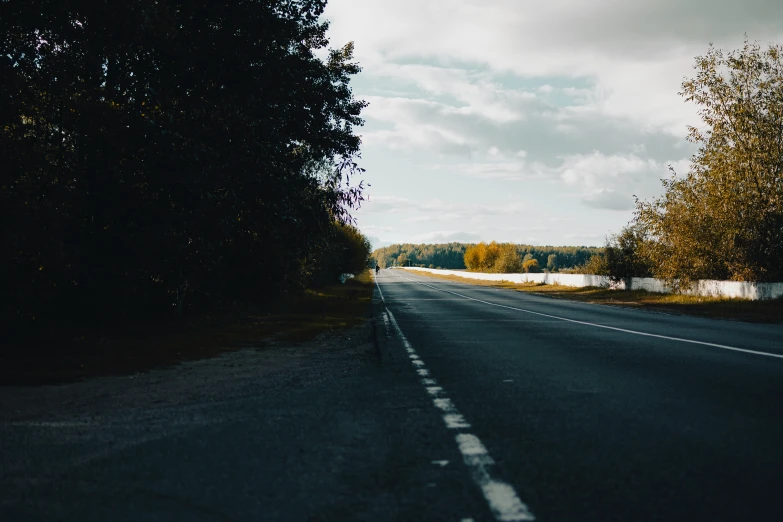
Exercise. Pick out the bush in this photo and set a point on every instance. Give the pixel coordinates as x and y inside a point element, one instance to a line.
<point>596,265</point>
<point>494,257</point>
<point>531,266</point>
<point>346,250</point>
<point>624,258</point>
<point>508,261</point>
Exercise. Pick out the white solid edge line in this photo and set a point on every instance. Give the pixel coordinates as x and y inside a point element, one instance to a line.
<point>615,328</point>
<point>375,278</point>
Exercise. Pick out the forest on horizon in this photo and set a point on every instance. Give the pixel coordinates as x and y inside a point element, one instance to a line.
<point>452,255</point>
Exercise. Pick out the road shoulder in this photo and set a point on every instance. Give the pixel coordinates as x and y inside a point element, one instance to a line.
<point>328,429</point>
<point>770,312</point>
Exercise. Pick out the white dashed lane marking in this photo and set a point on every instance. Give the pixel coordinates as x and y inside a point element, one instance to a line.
<point>501,497</point>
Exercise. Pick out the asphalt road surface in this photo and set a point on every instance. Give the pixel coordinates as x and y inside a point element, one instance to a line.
<point>601,413</point>
<point>456,403</point>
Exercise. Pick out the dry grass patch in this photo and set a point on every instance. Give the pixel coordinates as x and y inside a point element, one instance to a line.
<point>715,307</point>
<point>70,354</point>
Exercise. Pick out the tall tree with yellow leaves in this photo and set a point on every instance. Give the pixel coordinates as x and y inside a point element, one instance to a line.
<point>724,219</point>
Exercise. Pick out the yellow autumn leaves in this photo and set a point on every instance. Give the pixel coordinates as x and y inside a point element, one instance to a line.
<point>501,258</point>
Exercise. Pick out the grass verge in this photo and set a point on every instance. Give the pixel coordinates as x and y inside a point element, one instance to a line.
<point>68,355</point>
<point>714,307</point>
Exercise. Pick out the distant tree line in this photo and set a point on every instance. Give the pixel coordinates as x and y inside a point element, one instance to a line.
<point>452,256</point>
<point>449,255</point>
<point>168,155</point>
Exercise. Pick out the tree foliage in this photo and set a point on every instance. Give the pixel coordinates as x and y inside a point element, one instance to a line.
<point>551,263</point>
<point>623,255</point>
<point>724,219</point>
<point>493,257</point>
<point>531,266</point>
<point>156,151</point>
<point>596,265</point>
<point>348,251</point>
<point>508,261</point>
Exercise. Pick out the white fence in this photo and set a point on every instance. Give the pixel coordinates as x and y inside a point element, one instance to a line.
<point>732,289</point>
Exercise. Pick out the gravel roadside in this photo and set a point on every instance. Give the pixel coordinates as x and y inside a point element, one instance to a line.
<point>322,430</point>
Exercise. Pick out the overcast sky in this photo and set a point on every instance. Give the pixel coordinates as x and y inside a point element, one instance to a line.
<point>529,122</point>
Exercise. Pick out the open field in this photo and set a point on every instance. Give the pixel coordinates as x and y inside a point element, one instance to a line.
<point>68,354</point>
<point>719,308</point>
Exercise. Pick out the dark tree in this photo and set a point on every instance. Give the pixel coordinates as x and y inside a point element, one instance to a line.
<point>162,153</point>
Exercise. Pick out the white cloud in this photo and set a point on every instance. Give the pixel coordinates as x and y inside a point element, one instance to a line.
<point>447,236</point>
<point>375,229</point>
<point>589,169</point>
<point>497,168</point>
<point>434,211</point>
<point>387,204</point>
<point>608,199</point>
<point>475,93</point>
<point>610,182</point>
<point>410,118</point>
<point>585,238</point>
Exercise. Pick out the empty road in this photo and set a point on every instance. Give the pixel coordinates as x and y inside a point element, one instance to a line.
<point>589,412</point>
<point>456,403</point>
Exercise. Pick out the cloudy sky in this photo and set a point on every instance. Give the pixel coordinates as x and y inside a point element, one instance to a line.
<point>530,122</point>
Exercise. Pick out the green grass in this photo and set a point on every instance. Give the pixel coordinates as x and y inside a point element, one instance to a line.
<point>69,355</point>
<point>715,307</point>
